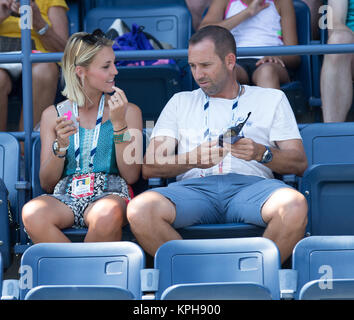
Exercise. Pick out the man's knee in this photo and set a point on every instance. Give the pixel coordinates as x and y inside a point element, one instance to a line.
<point>289,207</point>
<point>340,37</point>
<point>149,207</point>
<point>46,73</point>
<point>5,82</point>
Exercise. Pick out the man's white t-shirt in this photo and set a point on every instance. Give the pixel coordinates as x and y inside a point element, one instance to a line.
<point>271,120</point>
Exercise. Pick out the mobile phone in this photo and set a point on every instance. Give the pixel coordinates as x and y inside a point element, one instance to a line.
<point>64,109</point>
<point>232,134</point>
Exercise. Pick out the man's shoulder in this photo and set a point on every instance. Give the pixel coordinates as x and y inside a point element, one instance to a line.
<point>266,94</point>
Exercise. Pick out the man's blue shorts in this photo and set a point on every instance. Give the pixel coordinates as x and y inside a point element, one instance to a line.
<point>220,199</point>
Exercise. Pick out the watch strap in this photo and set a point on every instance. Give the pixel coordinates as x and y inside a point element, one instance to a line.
<point>43,31</point>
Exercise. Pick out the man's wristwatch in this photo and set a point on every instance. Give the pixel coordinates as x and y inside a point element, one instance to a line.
<point>267,156</point>
<point>43,31</point>
<point>56,149</point>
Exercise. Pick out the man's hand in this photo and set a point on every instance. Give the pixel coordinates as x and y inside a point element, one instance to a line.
<point>5,9</point>
<point>207,155</point>
<point>246,149</point>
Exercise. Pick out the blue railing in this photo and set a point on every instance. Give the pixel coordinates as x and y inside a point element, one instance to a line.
<point>27,58</point>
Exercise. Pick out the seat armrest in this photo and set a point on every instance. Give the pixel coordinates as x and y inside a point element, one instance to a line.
<point>156,182</point>
<point>287,283</point>
<point>10,290</point>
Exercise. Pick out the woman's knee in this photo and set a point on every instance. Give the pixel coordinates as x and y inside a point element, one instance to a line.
<point>107,216</point>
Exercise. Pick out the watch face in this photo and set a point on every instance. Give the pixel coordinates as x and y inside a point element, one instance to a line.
<point>55,146</point>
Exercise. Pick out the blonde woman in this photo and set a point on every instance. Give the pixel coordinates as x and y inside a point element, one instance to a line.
<point>85,169</point>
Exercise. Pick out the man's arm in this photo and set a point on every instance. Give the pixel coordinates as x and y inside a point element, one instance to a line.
<point>288,158</point>
<point>161,159</point>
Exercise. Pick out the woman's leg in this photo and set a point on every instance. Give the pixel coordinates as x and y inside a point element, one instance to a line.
<point>105,219</point>
<point>44,217</point>
<point>270,75</point>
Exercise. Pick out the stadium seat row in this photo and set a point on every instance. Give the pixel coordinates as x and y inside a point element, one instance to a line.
<point>328,185</point>
<point>222,269</point>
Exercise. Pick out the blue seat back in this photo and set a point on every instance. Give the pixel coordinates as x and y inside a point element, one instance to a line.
<point>150,87</point>
<point>10,166</point>
<point>328,142</point>
<point>252,260</point>
<point>9,176</point>
<point>328,183</point>
<point>303,28</point>
<point>36,163</point>
<point>104,263</point>
<point>323,257</point>
<point>169,23</point>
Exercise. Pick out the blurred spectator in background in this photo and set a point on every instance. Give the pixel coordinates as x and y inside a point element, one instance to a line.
<point>338,69</point>
<point>314,6</point>
<point>197,9</point>
<point>49,34</point>
<point>258,23</point>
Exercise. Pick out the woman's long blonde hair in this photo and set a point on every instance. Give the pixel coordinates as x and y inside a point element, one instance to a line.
<point>79,52</point>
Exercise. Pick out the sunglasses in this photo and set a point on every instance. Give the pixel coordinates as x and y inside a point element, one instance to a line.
<point>95,38</point>
<point>232,134</point>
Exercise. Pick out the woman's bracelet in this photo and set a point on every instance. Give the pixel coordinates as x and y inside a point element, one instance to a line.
<point>123,137</point>
<point>120,129</point>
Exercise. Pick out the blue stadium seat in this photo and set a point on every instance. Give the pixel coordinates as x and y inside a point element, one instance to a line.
<point>169,23</point>
<point>328,142</point>
<point>81,271</point>
<point>300,89</point>
<point>74,17</point>
<point>328,183</point>
<point>324,266</point>
<point>150,87</point>
<point>12,189</point>
<point>218,269</point>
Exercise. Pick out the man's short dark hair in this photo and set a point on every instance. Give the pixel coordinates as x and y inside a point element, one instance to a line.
<point>222,38</point>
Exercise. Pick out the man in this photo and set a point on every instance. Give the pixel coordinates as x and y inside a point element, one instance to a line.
<point>49,34</point>
<point>217,184</point>
<point>338,69</point>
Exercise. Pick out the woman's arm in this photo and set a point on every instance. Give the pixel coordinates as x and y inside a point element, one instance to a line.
<point>52,128</point>
<point>129,155</point>
<point>216,12</point>
<point>288,25</point>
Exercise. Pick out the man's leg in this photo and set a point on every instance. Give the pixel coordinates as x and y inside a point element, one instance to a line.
<point>5,89</point>
<point>336,80</point>
<point>45,82</point>
<point>285,213</point>
<point>150,216</point>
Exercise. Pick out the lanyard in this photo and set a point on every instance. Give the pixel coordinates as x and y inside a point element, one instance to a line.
<point>95,136</point>
<point>205,172</point>
<point>206,113</point>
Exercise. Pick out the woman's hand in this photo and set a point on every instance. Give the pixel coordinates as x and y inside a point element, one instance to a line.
<point>118,104</point>
<point>271,60</point>
<point>256,6</point>
<point>64,129</point>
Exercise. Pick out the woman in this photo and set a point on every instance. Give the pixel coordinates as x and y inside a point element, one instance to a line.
<point>90,184</point>
<point>258,23</point>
